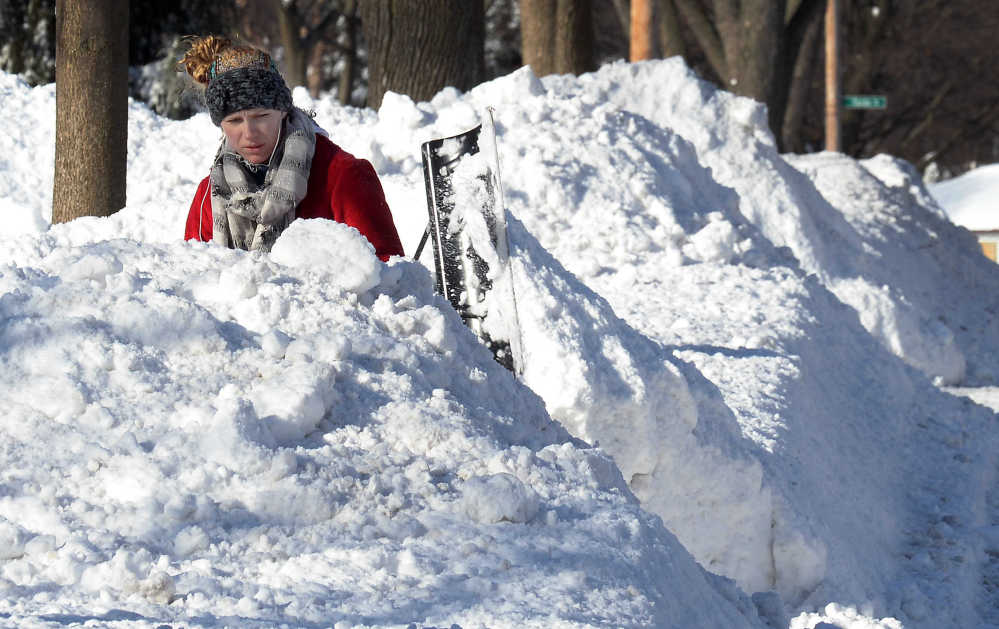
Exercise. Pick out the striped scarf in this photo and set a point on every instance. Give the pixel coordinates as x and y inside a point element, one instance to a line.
<point>250,215</point>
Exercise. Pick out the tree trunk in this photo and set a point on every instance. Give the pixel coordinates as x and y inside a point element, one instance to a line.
<point>707,36</point>
<point>39,65</point>
<point>91,108</point>
<point>557,36</point>
<point>314,70</point>
<point>751,35</point>
<point>295,56</point>
<point>622,9</point>
<point>419,48</point>
<point>797,92</point>
<point>670,37</point>
<point>794,72</point>
<point>345,85</point>
<point>750,38</point>
<point>753,46</point>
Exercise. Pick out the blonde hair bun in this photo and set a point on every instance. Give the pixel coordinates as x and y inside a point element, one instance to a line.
<point>202,54</point>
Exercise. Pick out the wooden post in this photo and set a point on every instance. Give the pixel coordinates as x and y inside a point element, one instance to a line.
<point>641,30</point>
<point>832,77</point>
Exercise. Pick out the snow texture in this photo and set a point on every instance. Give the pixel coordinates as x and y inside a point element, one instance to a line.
<point>727,415</point>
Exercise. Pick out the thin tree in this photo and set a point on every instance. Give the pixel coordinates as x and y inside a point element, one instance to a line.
<point>349,69</point>
<point>557,36</point>
<point>419,48</point>
<point>91,108</point>
<point>668,29</point>
<point>753,47</point>
<point>303,26</point>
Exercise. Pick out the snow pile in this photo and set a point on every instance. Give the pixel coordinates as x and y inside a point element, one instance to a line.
<point>927,263</point>
<point>681,294</point>
<point>750,439</point>
<point>210,437</point>
<point>842,246</point>
<point>27,155</point>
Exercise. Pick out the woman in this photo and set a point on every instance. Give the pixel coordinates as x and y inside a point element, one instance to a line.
<point>272,166</point>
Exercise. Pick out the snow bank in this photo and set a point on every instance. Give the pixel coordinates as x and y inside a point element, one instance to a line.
<point>784,376</point>
<point>209,437</point>
<point>682,294</point>
<point>27,155</point>
<point>831,238</point>
<point>737,438</point>
<point>785,428</point>
<point>938,289</point>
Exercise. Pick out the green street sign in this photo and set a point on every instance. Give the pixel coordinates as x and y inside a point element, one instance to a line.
<point>865,102</point>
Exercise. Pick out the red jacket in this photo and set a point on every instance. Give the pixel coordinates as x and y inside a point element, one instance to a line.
<point>341,187</point>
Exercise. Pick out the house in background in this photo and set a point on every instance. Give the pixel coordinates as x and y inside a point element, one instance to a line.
<point>972,201</point>
<point>988,240</point>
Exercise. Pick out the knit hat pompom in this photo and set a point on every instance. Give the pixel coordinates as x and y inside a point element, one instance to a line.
<point>236,77</point>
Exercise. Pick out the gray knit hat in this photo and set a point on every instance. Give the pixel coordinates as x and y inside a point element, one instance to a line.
<point>244,78</point>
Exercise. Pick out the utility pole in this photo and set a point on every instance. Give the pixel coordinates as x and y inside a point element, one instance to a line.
<point>641,30</point>
<point>832,77</point>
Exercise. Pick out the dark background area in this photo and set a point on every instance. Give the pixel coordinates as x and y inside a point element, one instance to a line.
<point>931,59</point>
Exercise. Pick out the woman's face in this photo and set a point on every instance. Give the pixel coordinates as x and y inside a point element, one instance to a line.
<point>253,132</point>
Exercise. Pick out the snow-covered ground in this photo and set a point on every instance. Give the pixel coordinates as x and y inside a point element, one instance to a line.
<point>728,415</point>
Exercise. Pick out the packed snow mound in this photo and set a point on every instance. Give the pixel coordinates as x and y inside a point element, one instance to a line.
<point>970,199</point>
<point>676,275</point>
<point>929,266</point>
<point>28,120</point>
<point>833,242</point>
<point>776,426</point>
<point>231,437</point>
<point>615,386</point>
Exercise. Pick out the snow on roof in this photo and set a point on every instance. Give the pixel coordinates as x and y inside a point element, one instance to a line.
<point>972,199</point>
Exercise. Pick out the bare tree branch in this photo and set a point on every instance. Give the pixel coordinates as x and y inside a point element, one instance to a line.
<point>964,133</point>
<point>623,12</point>
<point>929,113</point>
<point>706,35</point>
<point>670,37</point>
<point>319,30</point>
